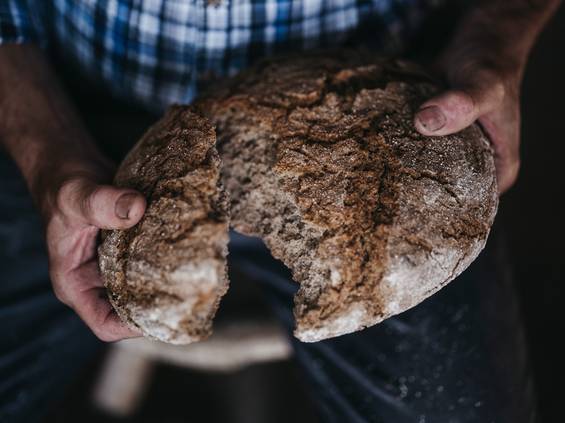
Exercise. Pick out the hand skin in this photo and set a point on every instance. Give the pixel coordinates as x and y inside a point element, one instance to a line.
<point>68,180</point>
<point>484,66</point>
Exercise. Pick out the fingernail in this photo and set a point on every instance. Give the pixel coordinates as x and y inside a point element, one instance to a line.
<point>123,205</point>
<point>432,118</point>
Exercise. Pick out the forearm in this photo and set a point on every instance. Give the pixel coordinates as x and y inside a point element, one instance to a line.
<point>39,128</point>
<point>65,172</point>
<point>509,28</point>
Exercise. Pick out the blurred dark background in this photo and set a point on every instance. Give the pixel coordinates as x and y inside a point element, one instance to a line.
<point>530,215</point>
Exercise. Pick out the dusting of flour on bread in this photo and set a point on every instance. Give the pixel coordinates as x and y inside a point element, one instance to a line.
<point>322,161</point>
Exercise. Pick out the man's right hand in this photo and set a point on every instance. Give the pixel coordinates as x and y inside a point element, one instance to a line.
<point>81,208</point>
<point>65,174</point>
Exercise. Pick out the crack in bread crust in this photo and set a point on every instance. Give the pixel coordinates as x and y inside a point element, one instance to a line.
<point>322,161</point>
<point>166,275</point>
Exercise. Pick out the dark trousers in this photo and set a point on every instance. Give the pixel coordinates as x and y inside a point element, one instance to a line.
<point>458,357</point>
<point>42,342</point>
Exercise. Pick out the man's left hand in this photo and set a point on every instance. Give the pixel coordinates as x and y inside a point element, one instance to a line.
<point>483,67</point>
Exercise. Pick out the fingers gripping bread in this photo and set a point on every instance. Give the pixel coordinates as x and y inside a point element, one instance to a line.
<point>321,160</point>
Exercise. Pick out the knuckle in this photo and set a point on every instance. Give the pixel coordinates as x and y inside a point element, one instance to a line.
<point>76,196</point>
<point>86,201</point>
<point>463,101</point>
<point>68,194</point>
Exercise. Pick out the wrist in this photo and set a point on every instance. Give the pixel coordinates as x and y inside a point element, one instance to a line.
<point>40,128</point>
<point>499,35</point>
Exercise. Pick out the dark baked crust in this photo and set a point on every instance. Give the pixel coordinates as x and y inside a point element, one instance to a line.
<point>322,161</point>
<point>167,274</point>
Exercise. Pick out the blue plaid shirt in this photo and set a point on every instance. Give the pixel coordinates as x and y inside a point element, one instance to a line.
<point>158,52</point>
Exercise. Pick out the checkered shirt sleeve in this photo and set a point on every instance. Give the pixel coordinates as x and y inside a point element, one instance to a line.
<point>18,22</point>
<point>159,52</point>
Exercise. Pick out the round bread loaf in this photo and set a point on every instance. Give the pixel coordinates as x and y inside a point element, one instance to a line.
<point>322,161</point>
<point>166,275</point>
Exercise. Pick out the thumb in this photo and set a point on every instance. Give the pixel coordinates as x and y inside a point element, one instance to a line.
<point>455,110</point>
<point>103,206</point>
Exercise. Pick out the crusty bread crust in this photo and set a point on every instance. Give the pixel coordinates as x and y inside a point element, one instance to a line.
<point>166,275</point>
<point>322,161</point>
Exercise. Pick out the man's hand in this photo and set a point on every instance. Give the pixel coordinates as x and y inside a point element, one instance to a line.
<point>479,93</point>
<point>66,175</point>
<point>81,208</point>
<point>483,67</point>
